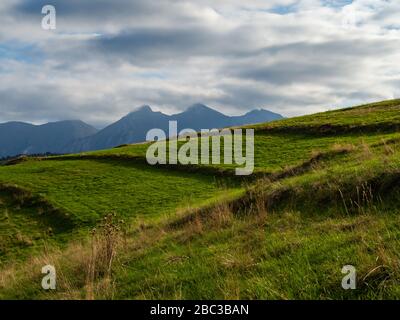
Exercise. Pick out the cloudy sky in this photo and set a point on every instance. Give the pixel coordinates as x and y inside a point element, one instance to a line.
<point>106,57</point>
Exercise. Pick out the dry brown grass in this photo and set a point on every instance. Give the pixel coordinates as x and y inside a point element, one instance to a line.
<point>221,216</point>
<point>362,201</point>
<point>343,147</point>
<point>72,261</point>
<point>7,276</point>
<point>23,240</point>
<point>194,227</point>
<point>316,154</point>
<point>83,269</point>
<point>388,150</point>
<point>104,245</point>
<point>366,152</point>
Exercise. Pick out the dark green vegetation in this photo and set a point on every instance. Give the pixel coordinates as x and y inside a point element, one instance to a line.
<point>326,194</point>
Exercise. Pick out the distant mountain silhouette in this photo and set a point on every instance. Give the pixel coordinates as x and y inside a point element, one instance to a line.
<point>23,138</point>
<point>134,127</point>
<point>256,116</point>
<point>131,128</point>
<point>76,136</point>
<point>199,116</point>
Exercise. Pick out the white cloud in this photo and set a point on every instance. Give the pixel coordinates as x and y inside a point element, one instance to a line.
<point>290,56</point>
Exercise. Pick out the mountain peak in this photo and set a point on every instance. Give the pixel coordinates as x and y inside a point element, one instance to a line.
<point>141,111</point>
<point>199,107</point>
<point>262,112</point>
<point>256,116</point>
<point>144,108</point>
<point>257,111</point>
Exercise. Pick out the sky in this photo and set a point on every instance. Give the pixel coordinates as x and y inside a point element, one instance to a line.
<point>106,58</point>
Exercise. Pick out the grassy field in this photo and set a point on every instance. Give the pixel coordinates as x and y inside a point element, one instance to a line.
<point>327,195</point>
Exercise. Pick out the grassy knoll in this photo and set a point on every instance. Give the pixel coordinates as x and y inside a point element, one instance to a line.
<point>86,190</point>
<point>273,151</point>
<point>381,117</point>
<point>26,224</point>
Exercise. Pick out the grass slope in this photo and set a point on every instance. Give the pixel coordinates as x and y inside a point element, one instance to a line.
<point>328,196</point>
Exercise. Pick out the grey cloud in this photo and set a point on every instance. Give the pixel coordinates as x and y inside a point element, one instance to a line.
<point>170,54</point>
<point>89,10</point>
<point>116,15</point>
<point>168,44</point>
<point>311,62</point>
<point>245,97</point>
<point>32,104</point>
<point>48,103</point>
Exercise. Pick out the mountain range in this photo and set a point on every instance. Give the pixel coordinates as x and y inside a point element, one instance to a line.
<point>24,138</point>
<point>76,136</point>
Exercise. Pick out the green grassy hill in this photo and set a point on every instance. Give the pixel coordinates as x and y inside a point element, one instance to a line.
<point>325,194</point>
